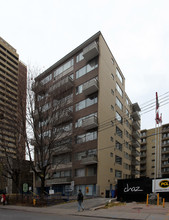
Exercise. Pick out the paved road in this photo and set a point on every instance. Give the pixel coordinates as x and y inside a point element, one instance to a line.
<point>68,211</point>
<point>22,215</point>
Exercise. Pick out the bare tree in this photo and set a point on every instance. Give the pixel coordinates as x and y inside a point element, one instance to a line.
<point>49,112</point>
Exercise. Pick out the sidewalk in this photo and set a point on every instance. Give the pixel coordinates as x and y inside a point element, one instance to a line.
<point>128,211</point>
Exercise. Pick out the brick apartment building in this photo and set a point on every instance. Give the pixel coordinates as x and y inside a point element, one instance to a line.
<point>147,156</point>
<point>104,125</point>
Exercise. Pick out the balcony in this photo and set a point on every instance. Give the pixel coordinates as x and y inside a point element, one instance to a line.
<point>62,85</point>
<point>63,116</point>
<point>90,51</point>
<point>136,107</point>
<point>62,166</point>
<point>142,161</point>
<point>136,144</point>
<point>92,159</point>
<point>90,123</point>
<point>135,162</point>
<point>64,180</point>
<point>39,88</point>
<point>90,87</point>
<point>135,172</point>
<point>136,115</point>
<point>143,148</point>
<point>135,153</point>
<point>136,135</point>
<point>142,155</point>
<point>143,174</point>
<point>136,125</point>
<point>142,168</point>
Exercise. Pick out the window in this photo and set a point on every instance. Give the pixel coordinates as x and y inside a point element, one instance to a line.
<point>80,172</point>
<point>119,132</point>
<point>118,173</point>
<point>119,89</point>
<point>91,171</point>
<point>127,101</point>
<point>119,75</point>
<point>118,160</point>
<point>111,138</point>
<point>118,146</point>
<point>112,60</point>
<point>80,155</point>
<point>112,91</point>
<point>89,67</point>
<point>90,136</point>
<point>79,57</point>
<point>86,103</point>
<point>119,104</point>
<point>112,107</point>
<point>119,118</point>
<point>111,154</point>
<point>111,170</point>
<point>46,79</point>
<point>64,67</point>
<point>112,75</point>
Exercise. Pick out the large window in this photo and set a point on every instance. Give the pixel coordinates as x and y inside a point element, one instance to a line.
<point>119,132</point>
<point>64,67</point>
<point>60,174</point>
<point>90,136</point>
<point>80,172</point>
<point>118,146</point>
<point>118,173</point>
<point>119,118</point>
<point>86,103</point>
<point>119,104</point>
<point>119,75</point>
<point>79,57</point>
<point>118,160</point>
<point>89,67</point>
<point>119,89</point>
<point>46,79</point>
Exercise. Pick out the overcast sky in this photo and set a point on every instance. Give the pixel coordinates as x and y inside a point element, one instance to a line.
<point>137,32</point>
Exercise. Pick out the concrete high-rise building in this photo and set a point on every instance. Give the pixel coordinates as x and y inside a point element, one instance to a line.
<point>105,124</point>
<point>149,143</point>
<point>13,79</point>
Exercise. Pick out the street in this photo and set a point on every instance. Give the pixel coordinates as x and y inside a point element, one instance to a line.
<point>22,215</point>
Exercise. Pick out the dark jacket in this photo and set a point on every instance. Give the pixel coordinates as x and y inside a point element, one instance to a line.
<point>80,197</point>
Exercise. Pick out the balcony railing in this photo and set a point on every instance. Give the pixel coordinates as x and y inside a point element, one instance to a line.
<point>136,107</point>
<point>136,115</point>
<point>62,166</point>
<point>92,159</point>
<point>90,87</point>
<point>90,123</point>
<point>135,153</point>
<point>136,135</point>
<point>136,125</point>
<point>62,85</point>
<point>64,180</point>
<point>136,144</point>
<point>90,51</point>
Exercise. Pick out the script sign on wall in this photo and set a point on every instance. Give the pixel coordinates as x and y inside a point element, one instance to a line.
<point>160,185</point>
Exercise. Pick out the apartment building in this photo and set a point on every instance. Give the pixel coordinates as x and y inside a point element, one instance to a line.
<point>13,78</point>
<point>104,125</point>
<point>148,154</point>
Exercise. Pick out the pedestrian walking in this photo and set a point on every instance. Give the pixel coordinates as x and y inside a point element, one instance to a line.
<point>80,200</point>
